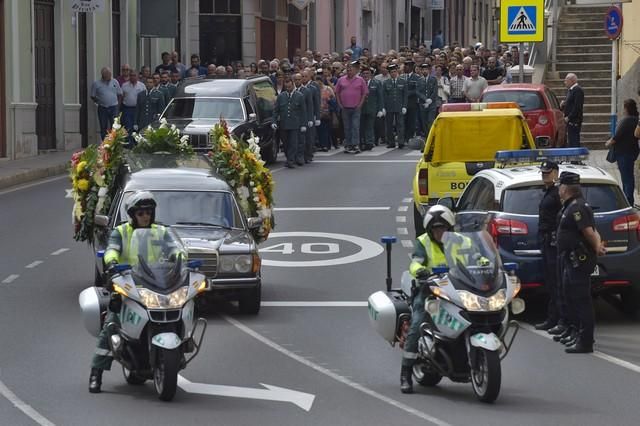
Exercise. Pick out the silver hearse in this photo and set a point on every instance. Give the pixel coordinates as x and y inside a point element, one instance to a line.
<point>201,207</point>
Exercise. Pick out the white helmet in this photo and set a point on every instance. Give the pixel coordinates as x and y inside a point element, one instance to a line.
<point>438,214</point>
<point>141,200</point>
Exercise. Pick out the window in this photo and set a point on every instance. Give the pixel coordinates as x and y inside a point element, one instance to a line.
<point>524,200</point>
<point>604,198</point>
<point>204,108</point>
<point>115,33</point>
<point>265,100</point>
<point>474,16</point>
<point>479,196</point>
<point>553,100</point>
<point>527,100</point>
<point>269,9</point>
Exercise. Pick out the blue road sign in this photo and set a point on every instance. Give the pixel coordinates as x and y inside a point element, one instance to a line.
<point>522,20</point>
<point>613,22</point>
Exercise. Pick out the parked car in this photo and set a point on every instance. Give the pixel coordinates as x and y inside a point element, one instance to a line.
<point>245,104</point>
<point>202,208</point>
<point>508,199</point>
<point>539,105</point>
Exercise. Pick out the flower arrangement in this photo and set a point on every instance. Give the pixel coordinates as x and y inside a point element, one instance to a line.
<point>165,139</point>
<point>93,175</point>
<point>240,164</point>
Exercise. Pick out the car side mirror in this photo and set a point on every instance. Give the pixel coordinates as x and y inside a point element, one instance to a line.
<point>447,202</point>
<point>253,116</point>
<point>254,222</point>
<point>542,141</point>
<point>101,220</point>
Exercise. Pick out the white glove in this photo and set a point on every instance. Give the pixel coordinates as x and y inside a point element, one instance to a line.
<point>135,127</point>
<point>379,114</point>
<point>425,105</point>
<point>384,112</point>
<point>309,124</point>
<point>317,123</point>
<point>429,101</point>
<point>274,126</point>
<point>303,129</point>
<point>404,111</point>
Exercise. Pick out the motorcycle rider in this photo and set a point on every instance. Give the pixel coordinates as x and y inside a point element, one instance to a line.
<point>141,208</point>
<point>428,252</point>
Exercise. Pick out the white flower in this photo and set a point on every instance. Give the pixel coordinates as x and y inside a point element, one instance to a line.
<point>163,120</point>
<point>243,192</point>
<point>252,183</point>
<point>184,138</point>
<point>116,126</point>
<point>173,128</point>
<point>256,199</point>
<point>102,192</point>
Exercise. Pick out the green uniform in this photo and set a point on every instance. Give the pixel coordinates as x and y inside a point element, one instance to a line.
<point>413,80</point>
<point>428,90</point>
<point>290,114</point>
<point>395,99</point>
<point>372,105</point>
<point>149,107</point>
<point>170,91</point>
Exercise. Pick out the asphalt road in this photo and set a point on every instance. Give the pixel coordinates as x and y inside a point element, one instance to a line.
<point>337,369</point>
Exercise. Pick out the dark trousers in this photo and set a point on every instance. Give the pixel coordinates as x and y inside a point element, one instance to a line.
<point>367,130</point>
<point>395,118</point>
<point>573,135</point>
<point>380,132</point>
<point>456,100</point>
<point>555,311</point>
<point>128,118</point>
<point>428,116</point>
<point>577,289</point>
<point>411,119</point>
<point>625,165</point>
<point>106,115</point>
<point>324,133</point>
<point>290,141</point>
<point>309,143</point>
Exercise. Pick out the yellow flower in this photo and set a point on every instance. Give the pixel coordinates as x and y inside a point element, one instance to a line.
<point>83,185</point>
<point>81,166</point>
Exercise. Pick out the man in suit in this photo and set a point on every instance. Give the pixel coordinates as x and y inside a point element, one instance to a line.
<point>150,105</point>
<point>411,118</point>
<point>395,105</point>
<point>307,94</point>
<point>427,96</point>
<point>372,108</point>
<point>572,107</point>
<point>290,115</point>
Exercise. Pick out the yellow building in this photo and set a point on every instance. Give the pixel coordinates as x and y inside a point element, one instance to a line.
<point>629,54</point>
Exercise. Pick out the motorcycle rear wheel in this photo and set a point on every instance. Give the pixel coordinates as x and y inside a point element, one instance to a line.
<point>487,375</point>
<point>131,377</point>
<point>165,374</point>
<point>424,376</point>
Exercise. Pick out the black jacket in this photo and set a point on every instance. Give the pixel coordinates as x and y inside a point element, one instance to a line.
<point>573,105</point>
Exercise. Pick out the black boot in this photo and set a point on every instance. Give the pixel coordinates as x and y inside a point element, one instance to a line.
<point>95,380</point>
<point>558,329</point>
<point>547,325</point>
<point>567,332</point>
<point>406,380</point>
<point>580,347</point>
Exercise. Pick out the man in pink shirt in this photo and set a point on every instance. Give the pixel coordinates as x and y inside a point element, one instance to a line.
<point>351,92</point>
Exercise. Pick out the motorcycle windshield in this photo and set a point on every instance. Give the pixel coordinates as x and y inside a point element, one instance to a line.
<point>474,262</point>
<point>158,259</point>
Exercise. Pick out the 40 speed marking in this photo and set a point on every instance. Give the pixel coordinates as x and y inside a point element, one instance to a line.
<point>368,249</point>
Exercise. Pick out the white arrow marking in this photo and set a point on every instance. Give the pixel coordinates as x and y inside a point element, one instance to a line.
<point>11,278</point>
<point>34,264</point>
<point>68,193</point>
<point>271,393</point>
<point>59,252</point>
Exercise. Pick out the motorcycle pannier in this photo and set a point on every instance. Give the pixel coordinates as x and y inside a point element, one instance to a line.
<point>384,312</point>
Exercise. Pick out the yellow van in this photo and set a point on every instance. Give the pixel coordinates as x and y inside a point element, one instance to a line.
<point>463,140</point>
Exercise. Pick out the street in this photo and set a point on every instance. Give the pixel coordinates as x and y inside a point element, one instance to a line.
<point>310,357</point>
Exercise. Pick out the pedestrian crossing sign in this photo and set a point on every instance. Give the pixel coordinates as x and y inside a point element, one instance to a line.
<point>521,20</point>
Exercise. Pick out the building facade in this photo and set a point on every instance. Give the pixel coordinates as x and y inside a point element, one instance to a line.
<point>629,55</point>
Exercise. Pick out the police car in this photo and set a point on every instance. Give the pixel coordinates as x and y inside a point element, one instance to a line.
<point>463,140</point>
<point>508,199</point>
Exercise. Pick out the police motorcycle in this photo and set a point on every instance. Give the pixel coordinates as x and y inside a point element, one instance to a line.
<point>468,329</point>
<point>157,334</point>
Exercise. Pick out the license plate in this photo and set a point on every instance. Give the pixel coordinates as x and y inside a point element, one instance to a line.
<point>596,271</point>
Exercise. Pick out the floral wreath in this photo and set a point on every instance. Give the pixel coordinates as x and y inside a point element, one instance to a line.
<point>239,163</point>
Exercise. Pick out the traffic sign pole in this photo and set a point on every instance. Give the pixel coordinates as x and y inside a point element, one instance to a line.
<point>614,91</point>
<point>521,60</point>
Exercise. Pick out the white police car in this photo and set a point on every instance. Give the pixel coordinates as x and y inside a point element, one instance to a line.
<point>508,197</point>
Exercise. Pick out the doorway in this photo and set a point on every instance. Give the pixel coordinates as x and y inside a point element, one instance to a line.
<point>83,91</point>
<point>3,95</point>
<point>43,47</point>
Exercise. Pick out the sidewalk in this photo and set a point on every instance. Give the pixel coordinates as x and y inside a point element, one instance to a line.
<point>599,159</point>
<point>17,172</point>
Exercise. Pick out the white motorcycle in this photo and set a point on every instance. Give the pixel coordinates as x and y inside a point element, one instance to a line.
<point>157,334</point>
<point>467,331</point>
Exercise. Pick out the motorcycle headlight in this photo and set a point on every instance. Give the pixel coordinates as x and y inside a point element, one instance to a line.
<point>470,301</point>
<point>497,301</point>
<point>241,264</point>
<point>473,302</point>
<point>153,300</point>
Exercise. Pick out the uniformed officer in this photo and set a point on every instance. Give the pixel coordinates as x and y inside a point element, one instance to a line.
<point>579,245</point>
<point>395,105</point>
<point>170,89</point>
<point>149,106</point>
<point>157,80</point>
<point>372,108</point>
<point>307,94</point>
<point>290,114</point>
<point>548,210</point>
<point>427,97</point>
<point>311,135</point>
<point>413,80</point>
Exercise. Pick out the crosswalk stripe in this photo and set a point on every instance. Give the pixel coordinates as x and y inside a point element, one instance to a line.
<point>377,151</point>
<point>413,154</point>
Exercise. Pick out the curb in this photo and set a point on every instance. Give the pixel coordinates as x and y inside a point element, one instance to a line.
<point>34,174</point>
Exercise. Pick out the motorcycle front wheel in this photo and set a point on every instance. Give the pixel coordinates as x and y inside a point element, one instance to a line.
<point>486,375</point>
<point>425,376</point>
<point>165,374</point>
<point>131,377</point>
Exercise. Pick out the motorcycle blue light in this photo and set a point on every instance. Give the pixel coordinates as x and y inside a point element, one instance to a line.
<point>440,270</point>
<point>388,239</point>
<point>510,266</point>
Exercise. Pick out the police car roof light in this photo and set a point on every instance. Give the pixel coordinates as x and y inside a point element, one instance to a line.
<point>388,240</point>
<point>559,155</point>
<point>477,106</point>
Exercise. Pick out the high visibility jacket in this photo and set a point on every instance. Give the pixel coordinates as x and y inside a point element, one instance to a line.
<point>428,254</point>
<point>121,248</point>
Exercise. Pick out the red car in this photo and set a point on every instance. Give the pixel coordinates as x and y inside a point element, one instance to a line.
<point>538,104</point>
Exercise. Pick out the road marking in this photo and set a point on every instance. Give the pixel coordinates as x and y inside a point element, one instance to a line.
<point>363,161</point>
<point>407,243</point>
<point>271,393</point>
<point>413,154</point>
<point>368,250</point>
<point>30,185</point>
<point>277,170</point>
<point>285,304</point>
<point>23,406</point>
<point>328,153</point>
<point>403,231</point>
<point>403,208</point>
<point>329,209</point>
<point>34,264</point>
<point>333,375</point>
<point>612,359</point>
<point>10,279</point>
<point>59,252</point>
<point>68,193</point>
<point>407,200</point>
<point>401,219</point>
<point>375,152</point>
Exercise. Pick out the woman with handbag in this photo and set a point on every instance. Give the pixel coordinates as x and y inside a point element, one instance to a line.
<point>624,145</point>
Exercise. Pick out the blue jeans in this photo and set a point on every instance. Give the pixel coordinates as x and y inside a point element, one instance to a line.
<point>625,165</point>
<point>351,119</point>
<point>106,115</point>
<point>573,135</point>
